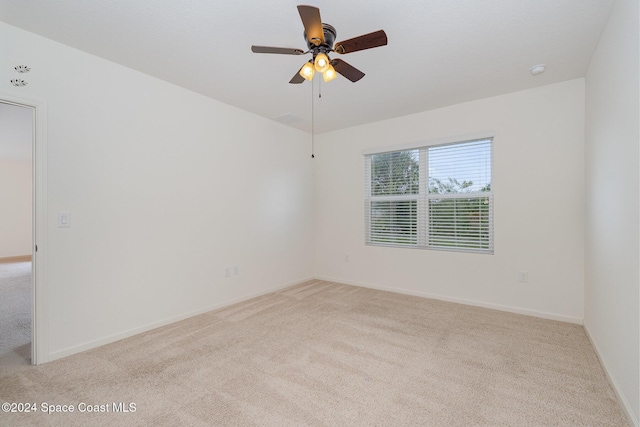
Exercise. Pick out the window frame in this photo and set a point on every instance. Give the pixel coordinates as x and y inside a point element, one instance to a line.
<point>423,197</point>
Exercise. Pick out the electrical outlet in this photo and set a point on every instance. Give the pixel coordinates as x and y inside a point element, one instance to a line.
<point>236,270</point>
<point>227,272</point>
<point>523,276</point>
<point>346,258</point>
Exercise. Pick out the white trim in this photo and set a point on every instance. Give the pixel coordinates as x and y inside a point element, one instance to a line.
<point>135,331</point>
<point>39,323</point>
<point>399,197</point>
<point>499,307</point>
<point>423,239</point>
<point>624,403</point>
<point>439,141</point>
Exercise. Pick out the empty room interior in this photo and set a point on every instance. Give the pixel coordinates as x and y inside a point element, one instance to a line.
<point>439,226</point>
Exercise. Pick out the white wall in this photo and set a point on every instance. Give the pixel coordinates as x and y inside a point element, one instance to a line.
<point>15,208</point>
<point>539,205</point>
<point>166,188</point>
<point>612,182</point>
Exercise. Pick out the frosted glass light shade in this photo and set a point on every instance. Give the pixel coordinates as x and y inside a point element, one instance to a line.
<point>322,63</point>
<point>307,71</point>
<point>330,74</point>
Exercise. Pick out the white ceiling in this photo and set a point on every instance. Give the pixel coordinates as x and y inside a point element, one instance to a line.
<point>440,52</point>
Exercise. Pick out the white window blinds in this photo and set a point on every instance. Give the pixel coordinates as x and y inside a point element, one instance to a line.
<point>436,197</point>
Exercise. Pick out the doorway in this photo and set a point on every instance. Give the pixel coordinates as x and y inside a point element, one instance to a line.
<point>23,232</point>
<point>16,229</point>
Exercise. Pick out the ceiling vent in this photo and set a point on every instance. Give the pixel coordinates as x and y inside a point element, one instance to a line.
<point>288,118</point>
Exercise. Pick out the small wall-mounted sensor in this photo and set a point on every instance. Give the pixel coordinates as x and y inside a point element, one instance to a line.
<point>64,219</point>
<point>536,70</point>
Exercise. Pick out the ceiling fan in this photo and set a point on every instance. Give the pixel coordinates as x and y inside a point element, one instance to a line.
<point>320,41</point>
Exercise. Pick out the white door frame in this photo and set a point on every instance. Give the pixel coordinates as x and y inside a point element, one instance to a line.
<point>39,324</point>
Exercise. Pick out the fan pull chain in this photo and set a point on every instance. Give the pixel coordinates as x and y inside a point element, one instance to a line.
<point>312,123</point>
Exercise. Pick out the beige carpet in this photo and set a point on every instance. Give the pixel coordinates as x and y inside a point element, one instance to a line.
<point>15,312</point>
<point>329,354</point>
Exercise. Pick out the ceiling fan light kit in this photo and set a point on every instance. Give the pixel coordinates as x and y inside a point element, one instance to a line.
<point>321,62</point>
<point>308,71</point>
<point>330,74</point>
<point>320,39</point>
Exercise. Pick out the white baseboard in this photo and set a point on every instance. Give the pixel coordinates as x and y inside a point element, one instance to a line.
<point>624,403</point>
<point>516,310</point>
<point>131,332</point>
<point>135,331</point>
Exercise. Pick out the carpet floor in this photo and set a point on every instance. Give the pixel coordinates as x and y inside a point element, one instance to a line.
<point>323,353</point>
<point>15,312</point>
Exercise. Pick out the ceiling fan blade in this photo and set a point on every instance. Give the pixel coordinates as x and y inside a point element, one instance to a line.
<point>297,79</point>
<point>366,41</point>
<point>310,16</point>
<point>279,50</point>
<point>349,71</point>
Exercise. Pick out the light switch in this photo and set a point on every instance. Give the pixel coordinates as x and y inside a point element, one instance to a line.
<point>64,219</point>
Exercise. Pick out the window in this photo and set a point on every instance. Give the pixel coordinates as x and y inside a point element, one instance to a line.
<point>436,197</point>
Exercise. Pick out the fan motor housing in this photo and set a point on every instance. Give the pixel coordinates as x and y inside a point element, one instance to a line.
<point>329,39</point>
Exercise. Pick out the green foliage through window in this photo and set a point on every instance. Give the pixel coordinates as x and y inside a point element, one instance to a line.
<point>395,173</point>
<point>433,197</point>
<point>459,222</point>
<point>395,222</point>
